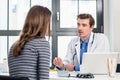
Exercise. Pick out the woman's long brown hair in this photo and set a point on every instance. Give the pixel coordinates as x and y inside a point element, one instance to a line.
<point>37,25</point>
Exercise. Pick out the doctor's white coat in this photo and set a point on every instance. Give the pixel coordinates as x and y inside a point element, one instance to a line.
<point>98,42</point>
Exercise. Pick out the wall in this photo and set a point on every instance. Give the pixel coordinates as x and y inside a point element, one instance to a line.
<point>112,22</point>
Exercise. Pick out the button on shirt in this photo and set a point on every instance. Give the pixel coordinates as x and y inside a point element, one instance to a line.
<point>83,48</point>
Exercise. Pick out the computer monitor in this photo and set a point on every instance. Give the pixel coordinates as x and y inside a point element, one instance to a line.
<point>96,63</point>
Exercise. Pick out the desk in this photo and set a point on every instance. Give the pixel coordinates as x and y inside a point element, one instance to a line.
<point>6,74</point>
<point>54,76</point>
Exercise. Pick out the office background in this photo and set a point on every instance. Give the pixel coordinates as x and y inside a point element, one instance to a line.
<point>110,22</point>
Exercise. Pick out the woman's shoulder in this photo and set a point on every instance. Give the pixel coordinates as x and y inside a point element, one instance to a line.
<point>37,42</point>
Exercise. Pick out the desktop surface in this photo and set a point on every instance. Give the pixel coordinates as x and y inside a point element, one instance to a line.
<point>54,76</point>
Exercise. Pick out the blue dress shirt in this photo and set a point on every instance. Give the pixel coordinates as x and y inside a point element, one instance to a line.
<point>83,49</point>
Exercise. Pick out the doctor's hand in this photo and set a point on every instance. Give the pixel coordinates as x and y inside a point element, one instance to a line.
<point>69,67</point>
<point>58,62</point>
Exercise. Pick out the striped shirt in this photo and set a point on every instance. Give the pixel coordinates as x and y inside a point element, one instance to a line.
<point>27,63</point>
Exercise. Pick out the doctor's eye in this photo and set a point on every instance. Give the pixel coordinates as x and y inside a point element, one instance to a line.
<point>84,25</point>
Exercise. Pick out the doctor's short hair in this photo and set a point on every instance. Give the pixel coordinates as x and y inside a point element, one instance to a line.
<point>87,16</point>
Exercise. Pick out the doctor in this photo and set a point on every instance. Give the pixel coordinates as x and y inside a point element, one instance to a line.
<point>87,41</point>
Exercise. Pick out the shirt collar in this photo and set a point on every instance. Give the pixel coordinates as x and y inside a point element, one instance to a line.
<point>86,41</point>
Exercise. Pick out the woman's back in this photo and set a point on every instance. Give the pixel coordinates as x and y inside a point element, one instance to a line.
<point>33,61</point>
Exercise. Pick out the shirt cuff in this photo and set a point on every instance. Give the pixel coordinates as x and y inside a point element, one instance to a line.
<point>77,68</point>
<point>62,68</point>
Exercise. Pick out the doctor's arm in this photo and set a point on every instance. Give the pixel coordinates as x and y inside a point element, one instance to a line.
<point>70,57</point>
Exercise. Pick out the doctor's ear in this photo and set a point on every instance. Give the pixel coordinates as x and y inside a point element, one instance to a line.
<point>92,27</point>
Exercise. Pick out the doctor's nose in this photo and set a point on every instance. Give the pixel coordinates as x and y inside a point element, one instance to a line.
<point>80,27</point>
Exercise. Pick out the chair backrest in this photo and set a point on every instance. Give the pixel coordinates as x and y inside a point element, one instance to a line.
<point>118,68</point>
<point>2,77</point>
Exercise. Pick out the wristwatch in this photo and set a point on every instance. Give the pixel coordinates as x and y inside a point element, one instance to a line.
<point>62,68</point>
<point>74,68</point>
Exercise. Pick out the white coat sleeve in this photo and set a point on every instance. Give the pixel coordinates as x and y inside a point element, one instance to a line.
<point>69,55</point>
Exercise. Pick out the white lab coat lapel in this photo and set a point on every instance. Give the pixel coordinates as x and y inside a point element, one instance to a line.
<point>90,48</point>
<point>91,44</point>
<point>77,47</point>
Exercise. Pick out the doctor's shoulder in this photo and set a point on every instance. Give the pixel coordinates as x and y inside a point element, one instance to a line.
<point>74,40</point>
<point>100,36</point>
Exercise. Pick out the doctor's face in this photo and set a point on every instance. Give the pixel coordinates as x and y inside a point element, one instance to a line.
<point>84,29</point>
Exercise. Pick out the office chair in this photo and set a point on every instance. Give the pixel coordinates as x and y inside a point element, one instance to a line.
<point>2,77</point>
<point>118,68</point>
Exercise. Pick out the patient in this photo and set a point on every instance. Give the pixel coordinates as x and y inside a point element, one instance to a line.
<point>29,56</point>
